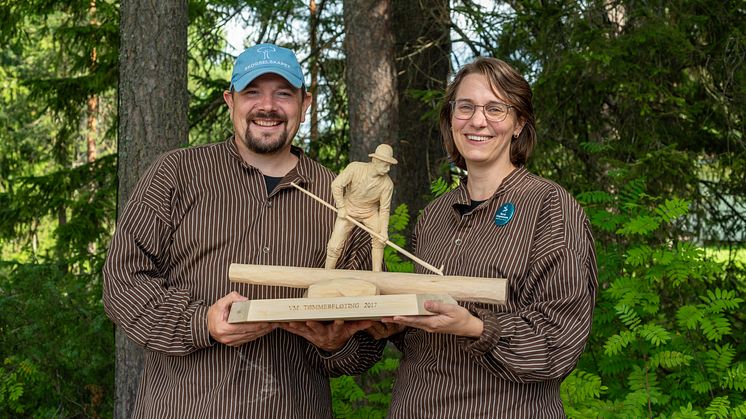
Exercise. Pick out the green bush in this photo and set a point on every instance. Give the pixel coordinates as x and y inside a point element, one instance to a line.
<point>667,337</point>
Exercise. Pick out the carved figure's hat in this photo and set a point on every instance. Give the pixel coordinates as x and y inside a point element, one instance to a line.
<point>384,152</point>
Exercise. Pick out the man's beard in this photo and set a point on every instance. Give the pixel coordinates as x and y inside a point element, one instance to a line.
<point>256,144</point>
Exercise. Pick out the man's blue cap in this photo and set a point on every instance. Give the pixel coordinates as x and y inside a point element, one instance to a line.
<point>262,59</point>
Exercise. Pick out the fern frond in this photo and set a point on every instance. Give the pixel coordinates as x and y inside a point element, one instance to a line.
<point>630,292</point>
<point>686,412</point>
<point>718,301</point>
<point>399,219</point>
<point>715,326</point>
<point>642,225</point>
<point>678,273</point>
<point>616,343</point>
<point>628,316</point>
<point>639,256</point>
<point>670,359</point>
<point>719,408</point>
<point>632,193</point>
<point>735,378</point>
<point>605,220</point>
<point>439,186</point>
<point>346,385</point>
<point>635,404</point>
<point>581,386</point>
<point>739,411</point>
<point>672,209</point>
<point>654,334</point>
<point>594,197</point>
<point>719,358</point>
<point>690,252</point>
<point>699,382</point>
<point>689,316</point>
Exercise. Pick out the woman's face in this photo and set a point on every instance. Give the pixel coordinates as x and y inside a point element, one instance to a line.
<point>480,141</point>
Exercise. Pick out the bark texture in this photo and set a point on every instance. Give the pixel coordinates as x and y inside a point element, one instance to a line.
<point>153,106</point>
<point>423,48</point>
<point>370,76</point>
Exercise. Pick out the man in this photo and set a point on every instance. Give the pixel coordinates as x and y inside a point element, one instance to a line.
<point>196,211</point>
<point>363,192</point>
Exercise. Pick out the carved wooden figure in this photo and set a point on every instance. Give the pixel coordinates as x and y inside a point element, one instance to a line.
<point>362,191</point>
<point>362,195</point>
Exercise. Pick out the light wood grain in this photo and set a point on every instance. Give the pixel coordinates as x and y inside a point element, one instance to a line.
<point>369,307</point>
<point>341,288</point>
<point>462,288</point>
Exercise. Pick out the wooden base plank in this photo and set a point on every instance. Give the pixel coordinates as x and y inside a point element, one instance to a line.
<point>367,307</point>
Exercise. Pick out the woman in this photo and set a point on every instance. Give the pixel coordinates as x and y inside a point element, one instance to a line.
<point>483,360</point>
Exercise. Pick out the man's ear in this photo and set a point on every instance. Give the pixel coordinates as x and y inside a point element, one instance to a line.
<point>228,98</point>
<point>307,99</point>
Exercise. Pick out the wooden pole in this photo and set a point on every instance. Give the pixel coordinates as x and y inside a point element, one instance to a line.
<point>462,288</point>
<point>378,236</point>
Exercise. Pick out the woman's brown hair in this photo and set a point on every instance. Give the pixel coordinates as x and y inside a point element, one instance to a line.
<point>506,82</point>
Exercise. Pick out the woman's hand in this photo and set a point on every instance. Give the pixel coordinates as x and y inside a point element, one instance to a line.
<point>449,318</point>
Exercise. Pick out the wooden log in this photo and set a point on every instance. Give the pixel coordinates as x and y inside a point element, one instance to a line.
<point>462,288</point>
<point>341,288</point>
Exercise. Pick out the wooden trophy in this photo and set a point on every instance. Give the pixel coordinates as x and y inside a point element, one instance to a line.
<point>362,193</point>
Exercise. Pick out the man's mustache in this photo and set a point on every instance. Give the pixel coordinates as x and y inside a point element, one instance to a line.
<point>266,115</point>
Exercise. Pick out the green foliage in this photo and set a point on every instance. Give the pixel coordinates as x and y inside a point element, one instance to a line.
<point>58,340</point>
<point>439,186</point>
<point>664,340</point>
<point>398,222</point>
<point>369,395</point>
<point>14,375</point>
<point>57,207</point>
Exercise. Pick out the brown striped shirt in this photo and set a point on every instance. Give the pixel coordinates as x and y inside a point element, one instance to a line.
<point>529,344</point>
<point>195,212</point>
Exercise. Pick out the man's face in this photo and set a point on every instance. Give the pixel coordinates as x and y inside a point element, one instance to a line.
<point>266,114</point>
<point>381,166</point>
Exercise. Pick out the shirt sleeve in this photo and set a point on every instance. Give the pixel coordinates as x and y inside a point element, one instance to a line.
<point>544,338</point>
<point>357,356</point>
<point>136,295</point>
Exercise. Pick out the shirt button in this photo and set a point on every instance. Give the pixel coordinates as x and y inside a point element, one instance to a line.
<point>269,204</point>
<point>265,249</point>
<point>457,242</point>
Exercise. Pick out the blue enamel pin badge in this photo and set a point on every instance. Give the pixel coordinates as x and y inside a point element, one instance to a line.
<point>504,214</point>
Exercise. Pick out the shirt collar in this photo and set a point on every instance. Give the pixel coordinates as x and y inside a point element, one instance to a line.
<point>300,174</point>
<point>514,178</point>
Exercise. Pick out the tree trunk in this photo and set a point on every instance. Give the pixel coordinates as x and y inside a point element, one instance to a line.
<point>313,64</point>
<point>423,46</point>
<point>370,76</point>
<point>92,104</point>
<point>153,105</point>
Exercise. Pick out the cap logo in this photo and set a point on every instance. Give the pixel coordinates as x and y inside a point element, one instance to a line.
<point>266,50</point>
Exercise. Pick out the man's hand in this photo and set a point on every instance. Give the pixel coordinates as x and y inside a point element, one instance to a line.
<point>342,212</point>
<point>381,330</point>
<point>233,334</point>
<point>450,318</point>
<point>328,337</point>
